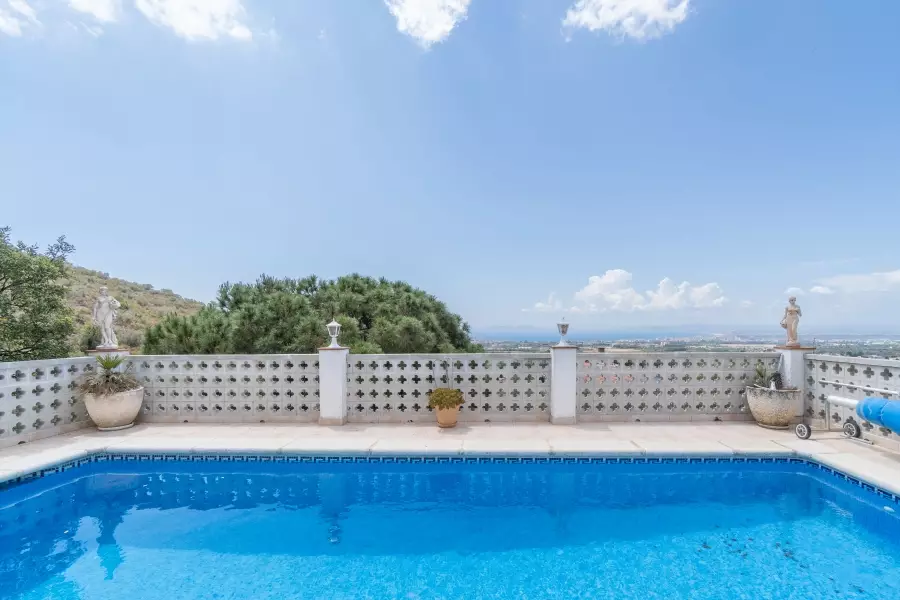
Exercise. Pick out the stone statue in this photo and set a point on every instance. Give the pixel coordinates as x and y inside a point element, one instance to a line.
<point>791,320</point>
<point>104,315</point>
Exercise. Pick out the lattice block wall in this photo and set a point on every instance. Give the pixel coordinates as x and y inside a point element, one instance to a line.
<point>229,389</point>
<point>855,378</point>
<point>673,386</point>
<point>496,387</point>
<point>38,399</point>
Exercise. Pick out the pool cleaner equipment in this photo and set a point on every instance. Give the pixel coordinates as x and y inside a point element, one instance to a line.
<point>883,412</point>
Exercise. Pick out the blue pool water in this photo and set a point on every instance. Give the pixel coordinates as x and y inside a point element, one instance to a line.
<point>173,530</point>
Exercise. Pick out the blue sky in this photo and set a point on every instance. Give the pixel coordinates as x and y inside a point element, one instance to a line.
<point>620,162</point>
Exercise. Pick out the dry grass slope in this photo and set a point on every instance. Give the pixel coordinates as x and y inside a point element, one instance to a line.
<point>142,306</point>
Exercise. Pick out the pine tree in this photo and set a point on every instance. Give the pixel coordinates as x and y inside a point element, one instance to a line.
<point>289,315</point>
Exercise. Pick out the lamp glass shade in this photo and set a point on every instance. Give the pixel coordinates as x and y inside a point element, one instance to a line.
<point>334,330</point>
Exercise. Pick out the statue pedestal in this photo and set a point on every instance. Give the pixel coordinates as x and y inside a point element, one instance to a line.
<point>792,367</point>
<point>108,352</point>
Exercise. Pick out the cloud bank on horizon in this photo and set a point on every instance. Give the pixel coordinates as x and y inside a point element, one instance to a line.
<point>614,291</point>
<point>856,283</point>
<point>428,22</point>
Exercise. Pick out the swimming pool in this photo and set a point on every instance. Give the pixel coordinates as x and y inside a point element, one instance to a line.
<point>258,527</point>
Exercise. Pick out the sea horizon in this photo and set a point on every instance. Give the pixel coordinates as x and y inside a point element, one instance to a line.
<point>654,333</point>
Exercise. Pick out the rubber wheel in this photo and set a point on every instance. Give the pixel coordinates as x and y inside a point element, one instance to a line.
<point>851,429</point>
<point>803,431</point>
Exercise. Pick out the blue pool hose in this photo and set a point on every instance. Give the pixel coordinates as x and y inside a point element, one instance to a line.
<point>881,412</point>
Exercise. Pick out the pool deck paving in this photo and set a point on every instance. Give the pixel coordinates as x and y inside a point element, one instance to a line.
<point>859,459</point>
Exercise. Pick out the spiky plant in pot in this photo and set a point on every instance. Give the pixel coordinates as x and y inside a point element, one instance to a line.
<point>112,396</point>
<point>107,380</point>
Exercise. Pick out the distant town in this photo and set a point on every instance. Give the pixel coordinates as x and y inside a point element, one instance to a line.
<point>861,346</point>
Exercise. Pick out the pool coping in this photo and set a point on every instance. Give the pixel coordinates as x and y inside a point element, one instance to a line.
<point>10,479</point>
<point>876,467</point>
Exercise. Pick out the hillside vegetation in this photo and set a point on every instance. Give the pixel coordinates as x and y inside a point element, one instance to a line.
<point>142,306</point>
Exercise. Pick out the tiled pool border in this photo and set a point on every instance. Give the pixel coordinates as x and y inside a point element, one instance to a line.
<point>238,457</point>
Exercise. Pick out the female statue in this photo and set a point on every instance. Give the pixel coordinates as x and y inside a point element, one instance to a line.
<point>791,320</point>
<point>104,315</point>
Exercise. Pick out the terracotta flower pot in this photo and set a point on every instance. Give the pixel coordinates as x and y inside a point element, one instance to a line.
<point>114,411</point>
<point>775,409</point>
<point>447,417</point>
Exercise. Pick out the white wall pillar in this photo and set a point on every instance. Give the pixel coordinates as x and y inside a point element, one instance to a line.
<point>793,371</point>
<point>333,385</point>
<point>563,384</point>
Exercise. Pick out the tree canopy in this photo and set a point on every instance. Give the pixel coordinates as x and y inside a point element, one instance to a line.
<point>35,320</point>
<point>289,316</point>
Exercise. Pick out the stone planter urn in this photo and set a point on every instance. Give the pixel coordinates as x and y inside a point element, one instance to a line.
<point>112,412</point>
<point>775,409</point>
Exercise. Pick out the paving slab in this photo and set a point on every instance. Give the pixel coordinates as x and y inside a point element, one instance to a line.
<point>430,447</point>
<point>324,445</point>
<point>683,447</point>
<point>506,447</point>
<point>581,446</point>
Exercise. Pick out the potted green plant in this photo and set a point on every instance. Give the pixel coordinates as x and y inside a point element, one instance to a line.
<point>771,404</point>
<point>446,402</point>
<point>112,397</point>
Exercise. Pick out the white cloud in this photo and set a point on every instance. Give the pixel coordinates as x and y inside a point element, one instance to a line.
<point>613,291</point>
<point>428,21</point>
<point>551,305</point>
<point>9,24</point>
<point>198,19</point>
<point>92,30</point>
<point>190,19</point>
<point>683,295</point>
<point>16,17</point>
<point>610,291</point>
<point>870,282</point>
<point>23,8</point>
<point>746,303</point>
<point>102,10</point>
<point>821,289</point>
<point>638,19</point>
<point>794,291</point>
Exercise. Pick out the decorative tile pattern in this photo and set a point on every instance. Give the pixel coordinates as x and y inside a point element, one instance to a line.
<point>849,377</point>
<point>674,386</point>
<point>467,460</point>
<point>229,389</point>
<point>37,399</point>
<point>496,387</point>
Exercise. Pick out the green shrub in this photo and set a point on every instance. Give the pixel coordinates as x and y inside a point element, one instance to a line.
<point>131,339</point>
<point>89,338</point>
<point>445,398</point>
<point>365,347</point>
